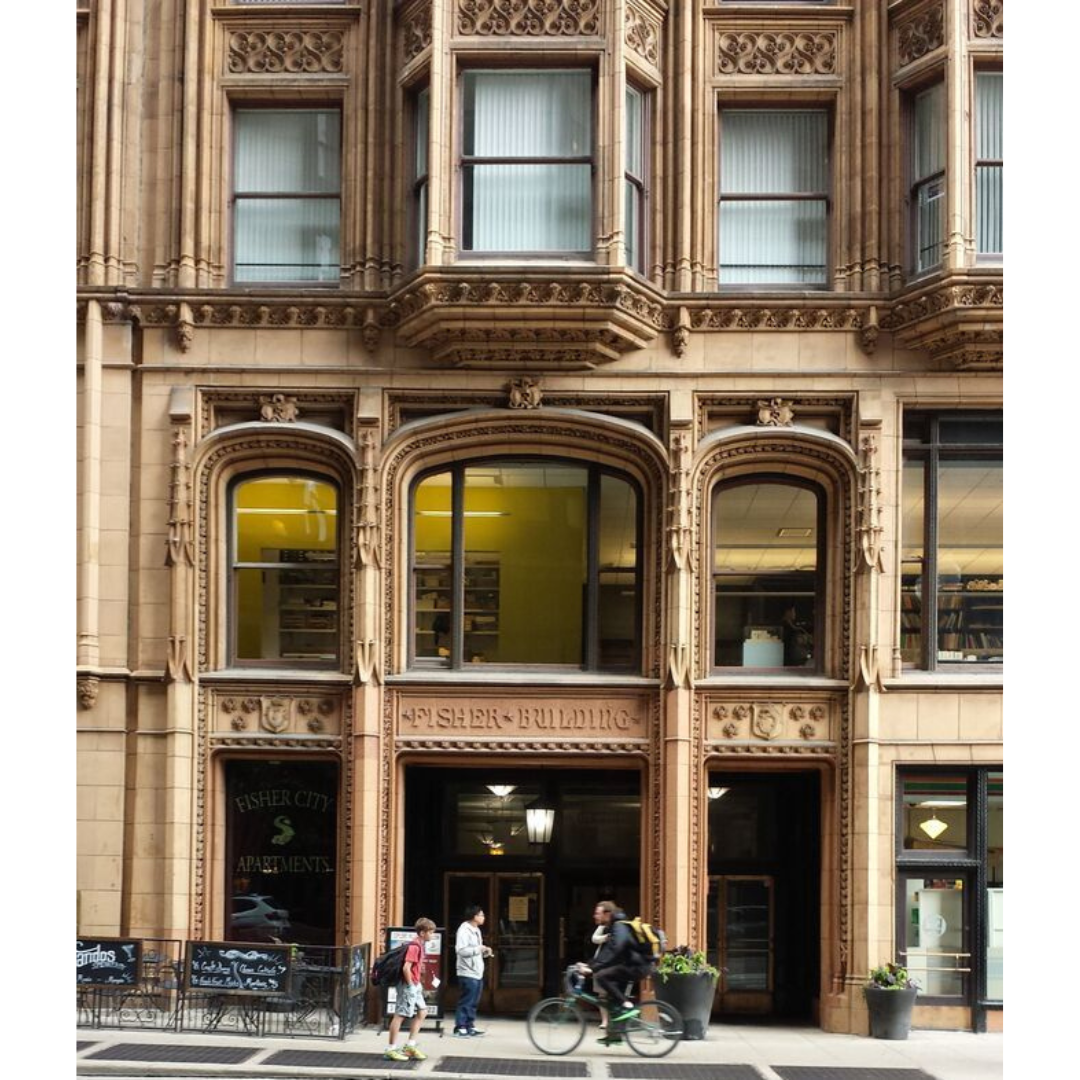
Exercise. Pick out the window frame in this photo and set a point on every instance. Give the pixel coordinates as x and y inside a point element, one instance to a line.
<point>971,865</point>
<point>241,105</point>
<point>420,189</point>
<point>826,197</point>
<point>639,183</point>
<point>821,590</point>
<point>916,184</point>
<point>931,453</point>
<point>464,161</point>
<point>988,258</point>
<point>232,564</point>
<point>590,628</point>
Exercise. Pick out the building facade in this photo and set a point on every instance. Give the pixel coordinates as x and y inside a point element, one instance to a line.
<point>534,451</point>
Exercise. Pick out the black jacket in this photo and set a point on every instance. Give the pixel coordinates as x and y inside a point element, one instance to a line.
<point>619,948</point>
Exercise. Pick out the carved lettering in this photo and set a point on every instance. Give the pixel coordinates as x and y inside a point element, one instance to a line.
<point>528,718</point>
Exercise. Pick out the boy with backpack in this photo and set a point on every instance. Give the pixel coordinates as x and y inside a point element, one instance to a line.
<point>409,998</point>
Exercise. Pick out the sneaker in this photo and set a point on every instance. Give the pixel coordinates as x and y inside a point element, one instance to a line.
<point>461,1033</point>
<point>626,1014</point>
<point>396,1055</point>
<point>476,1031</point>
<point>414,1053</point>
<point>610,1040</point>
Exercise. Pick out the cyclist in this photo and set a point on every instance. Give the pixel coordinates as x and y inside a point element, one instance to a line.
<point>616,966</point>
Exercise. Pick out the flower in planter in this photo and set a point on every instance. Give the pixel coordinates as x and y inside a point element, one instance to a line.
<point>685,961</point>
<point>891,977</point>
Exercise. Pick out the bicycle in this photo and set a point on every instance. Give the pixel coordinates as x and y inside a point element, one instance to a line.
<point>557,1025</point>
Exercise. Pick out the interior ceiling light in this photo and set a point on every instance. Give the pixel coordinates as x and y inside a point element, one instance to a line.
<point>501,790</point>
<point>496,849</point>
<point>718,792</point>
<point>940,804</point>
<point>933,827</point>
<point>466,513</point>
<point>794,532</point>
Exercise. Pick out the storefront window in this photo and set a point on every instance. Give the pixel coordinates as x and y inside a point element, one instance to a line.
<point>281,851</point>
<point>935,813</point>
<point>995,887</point>
<point>526,562</point>
<point>286,581</point>
<point>934,943</point>
<point>766,563</point>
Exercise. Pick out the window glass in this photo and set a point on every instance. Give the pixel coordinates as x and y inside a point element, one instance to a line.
<point>287,179</point>
<point>516,198</point>
<point>765,574</point>
<point>935,948</point>
<point>995,887</point>
<point>618,614</point>
<point>928,176</point>
<point>286,581</point>
<point>911,591</point>
<point>774,180</point>
<point>420,172</point>
<point>635,176</point>
<point>433,594</point>
<point>935,812</point>
<point>989,155</point>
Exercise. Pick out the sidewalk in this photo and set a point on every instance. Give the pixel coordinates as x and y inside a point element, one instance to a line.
<point>730,1052</point>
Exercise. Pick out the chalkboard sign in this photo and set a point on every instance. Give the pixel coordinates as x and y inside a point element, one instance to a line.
<point>107,961</point>
<point>359,956</point>
<point>238,967</point>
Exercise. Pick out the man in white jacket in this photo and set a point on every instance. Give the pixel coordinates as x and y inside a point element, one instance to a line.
<point>471,953</point>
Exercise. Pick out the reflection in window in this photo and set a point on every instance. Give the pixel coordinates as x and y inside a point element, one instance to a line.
<point>995,886</point>
<point>530,562</point>
<point>286,585</point>
<point>934,944</point>
<point>935,812</point>
<point>765,575</point>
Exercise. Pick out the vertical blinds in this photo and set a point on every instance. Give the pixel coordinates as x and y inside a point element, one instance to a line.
<point>989,148</point>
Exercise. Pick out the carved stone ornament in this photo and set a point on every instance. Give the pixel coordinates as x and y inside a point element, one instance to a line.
<point>533,18</point>
<point>278,409</point>
<point>524,393</point>
<point>807,731</point>
<point>730,729</point>
<point>642,35</point>
<point>988,18</point>
<point>368,534</point>
<point>767,722</point>
<point>869,526</point>
<point>920,35</point>
<point>776,412</point>
<point>315,724</point>
<point>86,687</point>
<point>416,33</point>
<point>239,723</point>
<point>767,53</point>
<point>296,52</point>
<point>275,715</point>
<point>772,318</point>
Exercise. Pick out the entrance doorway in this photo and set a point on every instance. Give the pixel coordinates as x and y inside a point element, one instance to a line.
<point>764,893</point>
<point>468,844</point>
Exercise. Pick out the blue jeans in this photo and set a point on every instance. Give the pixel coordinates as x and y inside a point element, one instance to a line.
<point>466,1008</point>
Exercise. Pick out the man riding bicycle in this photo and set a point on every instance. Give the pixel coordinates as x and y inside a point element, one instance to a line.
<point>617,965</point>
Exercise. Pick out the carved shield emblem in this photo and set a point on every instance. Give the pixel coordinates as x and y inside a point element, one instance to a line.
<point>275,715</point>
<point>766,723</point>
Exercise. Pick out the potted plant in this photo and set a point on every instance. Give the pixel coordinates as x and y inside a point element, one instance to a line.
<point>684,978</point>
<point>890,997</point>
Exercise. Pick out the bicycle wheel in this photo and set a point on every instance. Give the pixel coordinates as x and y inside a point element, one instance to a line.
<point>656,1031</point>
<point>555,1026</point>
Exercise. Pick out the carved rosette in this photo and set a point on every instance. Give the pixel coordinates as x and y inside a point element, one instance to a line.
<point>642,35</point>
<point>532,18</point>
<point>988,18</point>
<point>295,52</point>
<point>921,34</point>
<point>763,52</point>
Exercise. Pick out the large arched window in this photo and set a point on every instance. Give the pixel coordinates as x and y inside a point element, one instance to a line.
<point>286,581</point>
<point>767,575</point>
<point>526,562</point>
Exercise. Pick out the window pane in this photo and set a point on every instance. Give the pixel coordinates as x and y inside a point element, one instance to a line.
<point>287,239</point>
<point>528,113</point>
<point>617,545</point>
<point>286,582</point>
<point>528,207</point>
<point>929,222</point>
<point>995,892</point>
<point>295,151</point>
<point>433,598</point>
<point>634,132</point>
<point>989,116</point>
<point>929,148</point>
<point>911,582</point>
<point>773,153</point>
<point>525,549</point>
<point>772,242</point>
<point>935,816</point>
<point>934,944</point>
<point>746,934</point>
<point>765,571</point>
<point>989,211</point>
<point>422,109</point>
<point>970,559</point>
<point>989,147</point>
<point>633,215</point>
<point>965,429</point>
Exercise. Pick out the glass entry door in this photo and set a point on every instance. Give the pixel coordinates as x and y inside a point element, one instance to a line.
<point>742,940</point>
<point>514,905</point>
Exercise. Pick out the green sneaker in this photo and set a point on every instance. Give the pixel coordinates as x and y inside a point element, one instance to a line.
<point>626,1014</point>
<point>396,1055</point>
<point>610,1040</point>
<point>414,1053</point>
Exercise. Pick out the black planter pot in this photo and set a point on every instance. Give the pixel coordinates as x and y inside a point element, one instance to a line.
<point>890,1011</point>
<point>692,995</point>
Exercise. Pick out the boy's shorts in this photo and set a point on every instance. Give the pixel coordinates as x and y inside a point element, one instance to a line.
<point>409,999</point>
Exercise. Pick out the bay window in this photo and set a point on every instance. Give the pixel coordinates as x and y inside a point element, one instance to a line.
<point>287,195</point>
<point>527,161</point>
<point>774,197</point>
<point>928,177</point>
<point>635,178</point>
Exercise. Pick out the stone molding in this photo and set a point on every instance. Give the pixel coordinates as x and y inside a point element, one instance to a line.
<point>528,18</point>
<point>920,33</point>
<point>988,19</point>
<point>285,51</point>
<point>416,32</point>
<point>776,52</point>
<point>285,714</point>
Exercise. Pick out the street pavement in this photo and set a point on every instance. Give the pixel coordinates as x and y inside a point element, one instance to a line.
<point>729,1052</point>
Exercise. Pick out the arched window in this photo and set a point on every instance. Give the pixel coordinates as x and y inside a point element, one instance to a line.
<point>285,590</point>
<point>526,562</point>
<point>767,575</point>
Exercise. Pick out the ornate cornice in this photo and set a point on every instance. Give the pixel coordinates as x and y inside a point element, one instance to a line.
<point>920,34</point>
<point>737,315</point>
<point>988,18</point>
<point>767,52</point>
<point>285,51</point>
<point>528,18</point>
